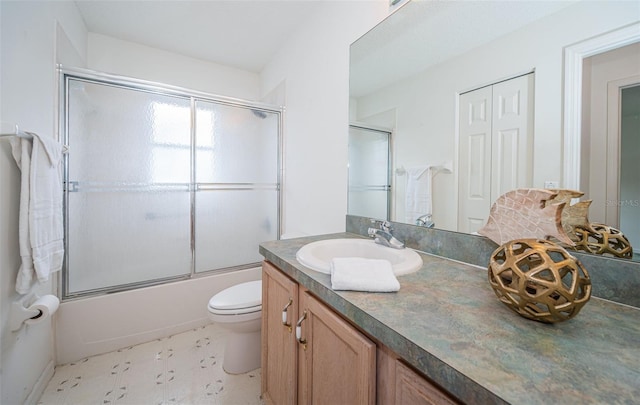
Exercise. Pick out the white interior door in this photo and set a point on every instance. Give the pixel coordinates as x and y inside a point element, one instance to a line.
<point>495,147</point>
<point>614,167</point>
<point>474,159</point>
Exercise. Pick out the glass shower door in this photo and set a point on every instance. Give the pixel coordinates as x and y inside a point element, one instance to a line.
<point>236,176</point>
<point>128,176</point>
<point>161,183</point>
<point>369,167</point>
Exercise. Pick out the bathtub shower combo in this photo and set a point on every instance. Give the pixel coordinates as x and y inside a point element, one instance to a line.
<point>162,183</point>
<point>165,184</point>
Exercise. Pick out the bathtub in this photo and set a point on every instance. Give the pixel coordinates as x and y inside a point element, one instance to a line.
<point>96,325</point>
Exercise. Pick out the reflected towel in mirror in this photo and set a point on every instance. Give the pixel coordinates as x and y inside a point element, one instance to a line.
<point>418,198</point>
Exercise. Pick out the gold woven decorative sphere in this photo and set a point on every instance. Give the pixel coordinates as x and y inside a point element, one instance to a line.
<point>539,280</point>
<point>603,240</point>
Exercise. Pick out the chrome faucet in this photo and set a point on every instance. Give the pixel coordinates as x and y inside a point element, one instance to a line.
<point>425,220</point>
<point>383,236</point>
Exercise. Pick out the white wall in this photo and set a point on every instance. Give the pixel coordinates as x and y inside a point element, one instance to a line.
<point>33,35</point>
<point>111,55</point>
<point>313,68</point>
<point>426,104</point>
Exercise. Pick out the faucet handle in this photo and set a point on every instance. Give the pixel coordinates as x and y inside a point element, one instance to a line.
<point>384,225</point>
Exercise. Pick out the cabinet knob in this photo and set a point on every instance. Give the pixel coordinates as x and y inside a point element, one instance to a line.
<point>285,314</point>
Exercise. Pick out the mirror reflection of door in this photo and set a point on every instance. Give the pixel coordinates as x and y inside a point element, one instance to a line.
<point>495,147</point>
<point>611,139</point>
<point>629,175</point>
<point>369,172</point>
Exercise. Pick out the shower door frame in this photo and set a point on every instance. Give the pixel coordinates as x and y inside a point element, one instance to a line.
<point>65,74</point>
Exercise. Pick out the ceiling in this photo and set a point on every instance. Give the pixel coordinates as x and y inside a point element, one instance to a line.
<point>244,34</point>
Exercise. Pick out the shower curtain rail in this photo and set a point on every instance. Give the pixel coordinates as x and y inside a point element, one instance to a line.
<point>8,129</point>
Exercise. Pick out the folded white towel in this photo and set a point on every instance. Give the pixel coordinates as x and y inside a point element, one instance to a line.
<point>358,274</point>
<point>40,232</point>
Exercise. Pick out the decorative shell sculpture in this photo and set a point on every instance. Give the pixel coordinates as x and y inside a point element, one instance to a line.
<point>528,213</point>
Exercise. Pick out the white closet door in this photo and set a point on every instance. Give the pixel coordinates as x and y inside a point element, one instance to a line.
<point>495,147</point>
<point>474,159</point>
<point>512,136</point>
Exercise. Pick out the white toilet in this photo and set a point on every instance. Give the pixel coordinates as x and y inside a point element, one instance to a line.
<point>239,310</point>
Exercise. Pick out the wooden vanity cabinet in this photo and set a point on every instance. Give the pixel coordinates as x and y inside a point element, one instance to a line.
<point>337,364</point>
<point>279,346</point>
<point>399,384</point>
<point>331,363</point>
<point>412,389</point>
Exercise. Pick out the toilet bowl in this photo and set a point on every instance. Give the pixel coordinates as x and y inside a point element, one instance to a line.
<point>238,309</point>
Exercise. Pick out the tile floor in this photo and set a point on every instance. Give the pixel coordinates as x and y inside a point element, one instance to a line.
<point>181,369</point>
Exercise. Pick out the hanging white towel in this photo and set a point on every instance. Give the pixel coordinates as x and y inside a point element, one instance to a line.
<point>40,228</point>
<point>359,274</point>
<point>418,194</point>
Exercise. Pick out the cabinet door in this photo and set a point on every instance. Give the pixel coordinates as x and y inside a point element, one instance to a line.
<point>279,352</point>
<point>413,389</point>
<point>337,363</point>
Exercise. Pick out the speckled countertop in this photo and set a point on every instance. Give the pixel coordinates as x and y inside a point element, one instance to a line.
<point>447,322</point>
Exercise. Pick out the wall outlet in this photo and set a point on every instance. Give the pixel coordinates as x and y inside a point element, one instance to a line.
<point>551,184</point>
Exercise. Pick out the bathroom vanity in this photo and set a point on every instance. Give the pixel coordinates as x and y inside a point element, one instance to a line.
<point>443,338</point>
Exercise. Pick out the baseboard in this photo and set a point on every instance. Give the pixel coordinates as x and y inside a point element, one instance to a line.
<point>40,385</point>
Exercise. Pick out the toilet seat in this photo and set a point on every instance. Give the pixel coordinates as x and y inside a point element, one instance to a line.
<point>244,298</point>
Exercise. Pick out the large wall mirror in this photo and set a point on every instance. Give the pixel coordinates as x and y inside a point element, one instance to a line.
<point>432,67</point>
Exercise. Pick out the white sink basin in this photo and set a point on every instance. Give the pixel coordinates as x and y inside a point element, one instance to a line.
<point>318,255</point>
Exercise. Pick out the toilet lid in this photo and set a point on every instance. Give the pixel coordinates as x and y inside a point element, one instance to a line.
<point>239,296</point>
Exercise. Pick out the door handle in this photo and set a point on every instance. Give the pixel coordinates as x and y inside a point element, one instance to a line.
<point>285,314</point>
<point>299,330</point>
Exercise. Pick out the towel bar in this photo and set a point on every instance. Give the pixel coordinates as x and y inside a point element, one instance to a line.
<point>9,129</point>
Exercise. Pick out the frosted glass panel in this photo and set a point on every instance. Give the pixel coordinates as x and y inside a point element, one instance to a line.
<point>131,190</point>
<point>368,203</point>
<point>120,238</point>
<point>148,135</point>
<point>369,183</point>
<point>230,224</point>
<point>235,144</point>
